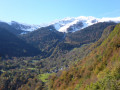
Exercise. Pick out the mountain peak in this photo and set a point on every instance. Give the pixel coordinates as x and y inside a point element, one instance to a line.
<point>72,24</point>
<point>23,26</point>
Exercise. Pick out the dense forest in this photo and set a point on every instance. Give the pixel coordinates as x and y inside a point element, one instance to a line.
<point>45,59</point>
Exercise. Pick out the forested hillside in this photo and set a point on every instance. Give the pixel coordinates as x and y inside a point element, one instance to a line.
<point>66,53</point>
<point>100,70</point>
<point>88,34</point>
<point>10,28</point>
<point>44,39</point>
<point>12,46</point>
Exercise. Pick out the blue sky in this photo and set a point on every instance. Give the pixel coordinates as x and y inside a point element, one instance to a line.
<point>43,11</point>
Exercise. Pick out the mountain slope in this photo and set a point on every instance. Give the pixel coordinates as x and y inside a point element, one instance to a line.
<point>11,29</point>
<point>44,39</point>
<point>99,70</point>
<point>11,45</point>
<point>88,34</point>
<point>24,27</point>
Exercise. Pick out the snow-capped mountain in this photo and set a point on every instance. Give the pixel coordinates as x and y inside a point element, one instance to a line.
<point>78,23</point>
<point>24,27</point>
<point>66,25</point>
<point>74,24</point>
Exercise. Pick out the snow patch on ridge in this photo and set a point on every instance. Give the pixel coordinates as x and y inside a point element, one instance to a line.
<point>64,24</point>
<point>24,27</point>
<point>117,19</point>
